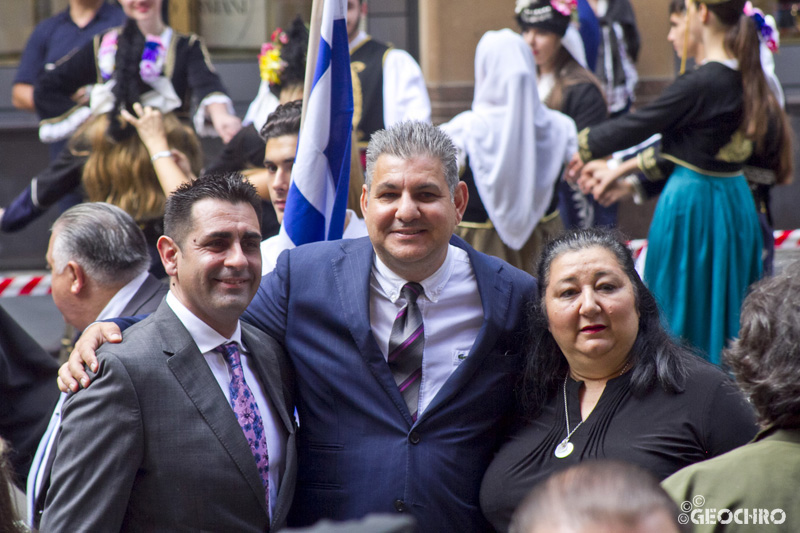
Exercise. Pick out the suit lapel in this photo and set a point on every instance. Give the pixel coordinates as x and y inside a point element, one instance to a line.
<point>195,377</point>
<point>352,271</point>
<point>494,286</point>
<point>270,373</point>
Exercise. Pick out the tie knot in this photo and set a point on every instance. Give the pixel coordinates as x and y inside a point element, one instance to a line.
<point>230,351</point>
<point>411,291</point>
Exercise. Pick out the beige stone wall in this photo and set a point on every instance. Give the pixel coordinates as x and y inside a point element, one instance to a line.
<point>656,65</point>
<point>16,24</point>
<point>231,25</point>
<point>449,32</point>
<point>656,57</point>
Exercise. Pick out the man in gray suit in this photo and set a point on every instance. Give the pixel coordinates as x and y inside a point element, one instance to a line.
<point>197,431</point>
<point>98,261</point>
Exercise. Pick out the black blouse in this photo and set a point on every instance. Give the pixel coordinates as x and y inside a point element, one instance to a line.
<point>584,103</point>
<point>661,432</point>
<point>699,117</point>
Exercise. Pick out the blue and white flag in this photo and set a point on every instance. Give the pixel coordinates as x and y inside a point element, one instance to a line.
<point>317,198</point>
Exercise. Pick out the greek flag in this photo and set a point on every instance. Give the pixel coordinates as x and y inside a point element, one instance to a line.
<point>317,198</point>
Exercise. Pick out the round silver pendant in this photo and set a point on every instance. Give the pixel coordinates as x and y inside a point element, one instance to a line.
<point>564,449</point>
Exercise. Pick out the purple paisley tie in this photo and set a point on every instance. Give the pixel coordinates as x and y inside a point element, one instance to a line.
<point>247,414</point>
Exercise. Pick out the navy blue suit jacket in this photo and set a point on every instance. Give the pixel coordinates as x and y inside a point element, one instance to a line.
<point>358,449</point>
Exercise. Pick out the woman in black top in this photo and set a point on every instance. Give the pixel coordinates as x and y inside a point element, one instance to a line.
<point>565,85</point>
<point>604,380</point>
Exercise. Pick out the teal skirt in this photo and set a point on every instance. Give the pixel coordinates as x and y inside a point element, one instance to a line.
<point>703,251</point>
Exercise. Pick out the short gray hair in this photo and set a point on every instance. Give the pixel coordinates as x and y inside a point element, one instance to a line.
<point>103,239</point>
<point>594,494</point>
<point>410,139</point>
<point>764,356</point>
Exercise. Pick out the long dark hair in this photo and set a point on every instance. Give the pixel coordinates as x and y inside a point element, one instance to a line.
<point>656,358</point>
<point>762,112</point>
<point>568,73</point>
<point>129,85</point>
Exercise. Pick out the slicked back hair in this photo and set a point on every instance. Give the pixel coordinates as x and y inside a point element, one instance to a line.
<point>104,240</point>
<point>285,120</point>
<point>411,139</point>
<point>231,187</point>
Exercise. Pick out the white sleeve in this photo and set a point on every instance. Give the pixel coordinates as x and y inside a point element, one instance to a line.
<point>405,96</point>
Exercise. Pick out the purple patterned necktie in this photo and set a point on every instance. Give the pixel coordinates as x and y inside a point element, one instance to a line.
<point>246,410</point>
<point>405,347</point>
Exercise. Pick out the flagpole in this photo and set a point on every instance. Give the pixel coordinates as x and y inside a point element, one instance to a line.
<point>313,52</point>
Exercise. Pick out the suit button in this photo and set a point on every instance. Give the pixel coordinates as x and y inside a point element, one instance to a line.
<point>400,505</point>
<point>413,438</point>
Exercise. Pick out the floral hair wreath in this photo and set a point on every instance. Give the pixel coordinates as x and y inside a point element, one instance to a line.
<point>565,7</point>
<point>766,30</point>
<point>270,64</point>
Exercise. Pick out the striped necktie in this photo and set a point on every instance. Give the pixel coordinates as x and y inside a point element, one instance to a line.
<point>405,347</point>
<point>247,414</point>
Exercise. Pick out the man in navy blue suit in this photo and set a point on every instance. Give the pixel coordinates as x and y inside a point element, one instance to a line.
<point>365,443</point>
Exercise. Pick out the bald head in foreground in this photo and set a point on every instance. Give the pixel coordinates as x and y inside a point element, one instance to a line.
<point>598,497</point>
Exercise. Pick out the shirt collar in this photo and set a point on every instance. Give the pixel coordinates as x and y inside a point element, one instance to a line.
<point>117,303</point>
<point>780,434</point>
<point>360,38</point>
<point>203,335</point>
<point>433,285</point>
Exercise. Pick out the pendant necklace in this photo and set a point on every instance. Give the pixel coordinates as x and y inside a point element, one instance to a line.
<point>565,447</point>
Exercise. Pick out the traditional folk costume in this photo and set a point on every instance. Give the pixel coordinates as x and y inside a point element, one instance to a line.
<point>617,53</point>
<point>388,87</point>
<point>56,36</point>
<point>581,99</point>
<point>181,71</point>
<point>512,150</point>
<point>759,170</point>
<point>704,244</point>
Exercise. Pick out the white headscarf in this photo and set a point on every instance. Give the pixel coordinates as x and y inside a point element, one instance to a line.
<point>516,145</point>
<point>573,42</point>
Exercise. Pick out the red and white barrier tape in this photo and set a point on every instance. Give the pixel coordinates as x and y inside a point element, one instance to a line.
<point>36,284</point>
<point>27,284</point>
<point>787,240</point>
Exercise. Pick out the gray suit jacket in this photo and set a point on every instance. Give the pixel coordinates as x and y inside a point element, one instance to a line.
<point>153,445</point>
<point>145,301</point>
<point>147,298</point>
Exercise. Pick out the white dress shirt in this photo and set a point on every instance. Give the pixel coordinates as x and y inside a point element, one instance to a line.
<point>272,247</point>
<point>36,474</point>
<point>452,315</point>
<point>207,340</point>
